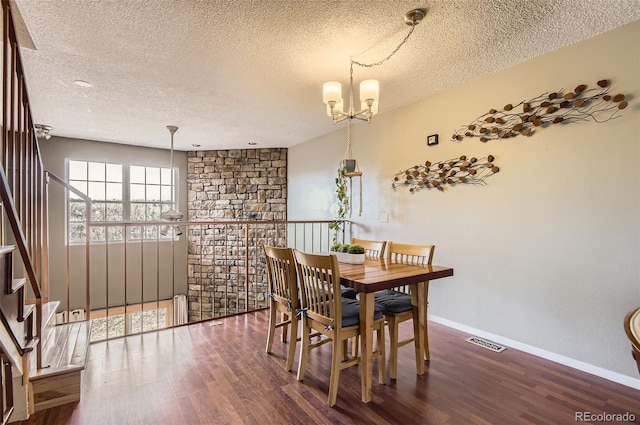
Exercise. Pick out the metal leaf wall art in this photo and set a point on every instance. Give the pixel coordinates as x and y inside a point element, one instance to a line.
<point>451,172</point>
<point>581,104</point>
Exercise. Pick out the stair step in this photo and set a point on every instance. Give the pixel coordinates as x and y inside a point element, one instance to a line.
<point>49,313</point>
<point>6,268</point>
<point>48,320</point>
<point>16,284</point>
<point>66,354</point>
<point>31,345</point>
<point>65,351</point>
<point>4,249</point>
<point>26,312</point>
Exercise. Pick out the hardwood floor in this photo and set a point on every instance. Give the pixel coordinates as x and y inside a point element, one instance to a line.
<point>204,374</point>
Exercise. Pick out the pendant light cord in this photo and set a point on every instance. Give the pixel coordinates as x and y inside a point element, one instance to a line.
<point>371,65</point>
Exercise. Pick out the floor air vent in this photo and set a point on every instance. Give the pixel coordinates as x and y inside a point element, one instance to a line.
<point>486,344</point>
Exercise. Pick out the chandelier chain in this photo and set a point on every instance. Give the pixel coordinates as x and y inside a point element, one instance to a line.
<point>371,65</point>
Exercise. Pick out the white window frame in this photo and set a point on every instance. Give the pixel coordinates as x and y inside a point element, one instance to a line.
<point>150,234</point>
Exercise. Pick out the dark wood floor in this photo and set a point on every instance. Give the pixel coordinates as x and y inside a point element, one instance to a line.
<point>204,374</point>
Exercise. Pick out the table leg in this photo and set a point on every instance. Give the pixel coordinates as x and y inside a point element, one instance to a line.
<point>418,300</point>
<point>366,343</point>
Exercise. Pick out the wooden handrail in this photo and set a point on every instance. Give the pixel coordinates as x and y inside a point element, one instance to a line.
<point>66,185</point>
<point>21,171</point>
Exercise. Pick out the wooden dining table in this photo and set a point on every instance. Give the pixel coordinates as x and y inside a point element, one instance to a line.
<point>378,274</point>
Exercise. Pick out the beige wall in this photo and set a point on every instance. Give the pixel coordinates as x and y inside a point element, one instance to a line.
<point>547,254</point>
<point>157,278</point>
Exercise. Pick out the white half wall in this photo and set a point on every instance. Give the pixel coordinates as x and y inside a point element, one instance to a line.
<point>547,253</point>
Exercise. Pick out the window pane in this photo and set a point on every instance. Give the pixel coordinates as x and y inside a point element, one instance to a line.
<point>77,170</point>
<point>114,212</point>
<point>166,176</point>
<point>115,233</point>
<point>153,175</point>
<point>96,191</point>
<point>81,186</point>
<point>153,212</point>
<point>165,193</point>
<point>114,191</point>
<point>134,232</point>
<point>136,174</point>
<point>150,232</point>
<point>97,211</point>
<point>77,232</point>
<point>97,234</point>
<point>136,192</point>
<point>153,193</point>
<point>96,171</point>
<point>77,211</point>
<point>137,212</point>
<point>114,172</point>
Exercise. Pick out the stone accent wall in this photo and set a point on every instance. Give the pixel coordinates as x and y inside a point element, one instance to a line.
<point>230,186</point>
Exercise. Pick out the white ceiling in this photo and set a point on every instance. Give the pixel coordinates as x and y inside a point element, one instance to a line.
<point>232,72</point>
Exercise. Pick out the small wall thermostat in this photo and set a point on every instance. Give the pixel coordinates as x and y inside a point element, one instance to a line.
<point>432,140</point>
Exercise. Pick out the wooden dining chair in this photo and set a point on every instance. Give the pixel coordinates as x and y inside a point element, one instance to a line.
<point>398,306</point>
<point>283,298</point>
<point>372,249</point>
<point>324,310</point>
<point>632,329</point>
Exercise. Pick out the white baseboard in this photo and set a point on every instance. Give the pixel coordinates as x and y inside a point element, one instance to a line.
<point>567,361</point>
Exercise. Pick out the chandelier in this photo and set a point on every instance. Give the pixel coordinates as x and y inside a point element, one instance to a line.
<point>172,214</point>
<point>369,89</point>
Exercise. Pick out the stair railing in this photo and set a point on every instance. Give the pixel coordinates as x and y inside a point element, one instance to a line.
<point>21,172</point>
<point>87,263</point>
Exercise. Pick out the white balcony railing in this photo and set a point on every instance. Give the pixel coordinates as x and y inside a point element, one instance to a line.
<point>212,269</point>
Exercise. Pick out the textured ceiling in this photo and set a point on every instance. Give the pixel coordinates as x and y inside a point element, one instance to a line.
<point>233,72</point>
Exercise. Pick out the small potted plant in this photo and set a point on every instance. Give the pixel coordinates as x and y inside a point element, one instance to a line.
<point>349,253</point>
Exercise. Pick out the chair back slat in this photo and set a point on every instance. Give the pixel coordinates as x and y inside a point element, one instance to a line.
<point>409,254</point>
<point>281,275</point>
<point>319,280</point>
<point>373,249</point>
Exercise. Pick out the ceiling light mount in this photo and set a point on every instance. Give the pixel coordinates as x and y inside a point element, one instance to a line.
<point>415,16</point>
<point>84,84</point>
<point>369,89</point>
<point>42,131</point>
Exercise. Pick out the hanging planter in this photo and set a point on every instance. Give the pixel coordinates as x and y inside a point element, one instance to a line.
<point>350,165</point>
<point>349,168</point>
